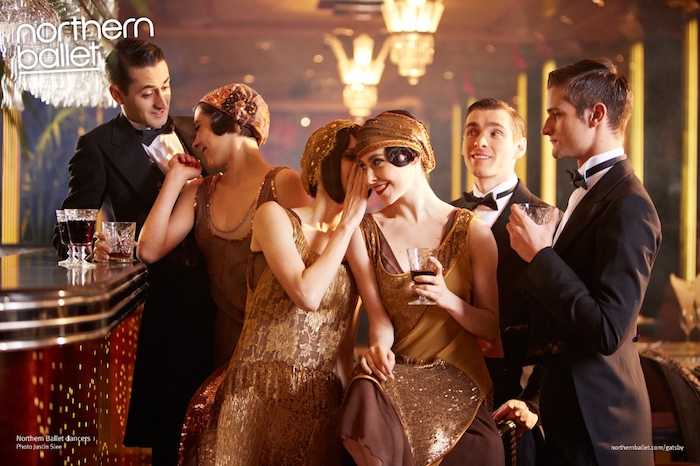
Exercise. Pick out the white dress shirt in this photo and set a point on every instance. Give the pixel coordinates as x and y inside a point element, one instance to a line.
<point>163,147</point>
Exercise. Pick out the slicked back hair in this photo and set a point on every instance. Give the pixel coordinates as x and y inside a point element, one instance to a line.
<point>130,53</point>
<point>590,81</point>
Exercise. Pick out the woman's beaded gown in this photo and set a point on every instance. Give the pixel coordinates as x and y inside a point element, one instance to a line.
<point>279,401</point>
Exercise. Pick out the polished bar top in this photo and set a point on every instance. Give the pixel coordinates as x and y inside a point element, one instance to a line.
<point>43,304</point>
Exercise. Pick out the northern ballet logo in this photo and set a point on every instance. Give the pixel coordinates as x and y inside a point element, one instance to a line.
<point>71,46</point>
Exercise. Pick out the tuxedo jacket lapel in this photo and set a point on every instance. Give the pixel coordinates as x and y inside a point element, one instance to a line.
<point>501,234</point>
<point>185,131</point>
<point>520,195</point>
<point>137,171</point>
<point>591,204</point>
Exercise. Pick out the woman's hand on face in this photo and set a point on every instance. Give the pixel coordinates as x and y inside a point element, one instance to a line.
<point>433,287</point>
<point>380,361</point>
<point>355,204</point>
<point>186,165</point>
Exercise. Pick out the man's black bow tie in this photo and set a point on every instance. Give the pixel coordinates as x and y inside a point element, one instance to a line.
<point>149,135</point>
<point>579,181</point>
<point>472,201</point>
<point>576,179</point>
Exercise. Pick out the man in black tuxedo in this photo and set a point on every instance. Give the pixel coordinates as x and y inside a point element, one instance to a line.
<point>494,139</point>
<point>587,280</point>
<point>120,166</point>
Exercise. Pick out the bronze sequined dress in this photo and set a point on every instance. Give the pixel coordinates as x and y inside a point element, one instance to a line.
<point>226,253</point>
<point>279,401</point>
<point>441,379</point>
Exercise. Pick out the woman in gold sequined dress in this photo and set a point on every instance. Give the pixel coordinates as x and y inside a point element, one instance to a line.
<point>231,122</point>
<point>278,403</point>
<point>420,395</point>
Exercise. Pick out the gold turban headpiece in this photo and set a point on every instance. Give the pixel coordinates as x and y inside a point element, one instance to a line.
<point>320,144</point>
<point>245,106</point>
<point>395,130</point>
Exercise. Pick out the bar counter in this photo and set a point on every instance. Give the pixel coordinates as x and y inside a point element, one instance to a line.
<point>67,350</point>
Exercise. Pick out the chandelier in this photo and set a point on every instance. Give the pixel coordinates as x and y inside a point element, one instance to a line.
<point>55,53</point>
<point>412,24</point>
<point>360,74</point>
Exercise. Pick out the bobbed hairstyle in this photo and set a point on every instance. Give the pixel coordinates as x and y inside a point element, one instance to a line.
<point>330,166</point>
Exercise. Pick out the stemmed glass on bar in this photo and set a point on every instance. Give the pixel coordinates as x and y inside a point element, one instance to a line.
<point>65,240</point>
<point>686,299</point>
<point>81,228</point>
<point>688,322</point>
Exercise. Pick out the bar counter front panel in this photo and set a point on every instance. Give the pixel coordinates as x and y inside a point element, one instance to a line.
<point>67,351</point>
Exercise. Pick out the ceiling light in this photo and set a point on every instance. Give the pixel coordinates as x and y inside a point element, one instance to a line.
<point>412,24</point>
<point>360,74</point>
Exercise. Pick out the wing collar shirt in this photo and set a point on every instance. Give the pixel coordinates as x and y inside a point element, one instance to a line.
<point>489,215</point>
<point>579,193</point>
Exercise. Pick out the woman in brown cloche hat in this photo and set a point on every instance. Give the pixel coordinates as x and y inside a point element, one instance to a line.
<point>232,122</point>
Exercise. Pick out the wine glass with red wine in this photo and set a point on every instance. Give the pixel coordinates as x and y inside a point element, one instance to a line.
<point>81,228</point>
<point>419,261</point>
<point>65,240</point>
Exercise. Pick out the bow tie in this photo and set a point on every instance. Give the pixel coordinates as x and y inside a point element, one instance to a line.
<point>472,201</point>
<point>149,135</point>
<point>579,181</point>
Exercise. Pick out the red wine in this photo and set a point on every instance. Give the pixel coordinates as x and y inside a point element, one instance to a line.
<point>416,273</point>
<point>81,231</point>
<point>63,232</point>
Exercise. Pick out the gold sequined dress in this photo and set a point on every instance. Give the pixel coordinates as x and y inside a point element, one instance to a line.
<point>279,401</point>
<point>441,379</point>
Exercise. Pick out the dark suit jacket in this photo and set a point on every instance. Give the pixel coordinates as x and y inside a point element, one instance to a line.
<point>110,167</point>
<point>512,304</point>
<point>174,353</point>
<point>592,284</point>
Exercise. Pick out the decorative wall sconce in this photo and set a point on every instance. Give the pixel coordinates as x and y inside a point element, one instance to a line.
<point>361,74</point>
<point>412,24</point>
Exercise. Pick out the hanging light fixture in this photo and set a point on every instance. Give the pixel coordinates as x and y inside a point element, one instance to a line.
<point>13,14</point>
<point>412,24</point>
<point>59,66</point>
<point>360,74</point>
